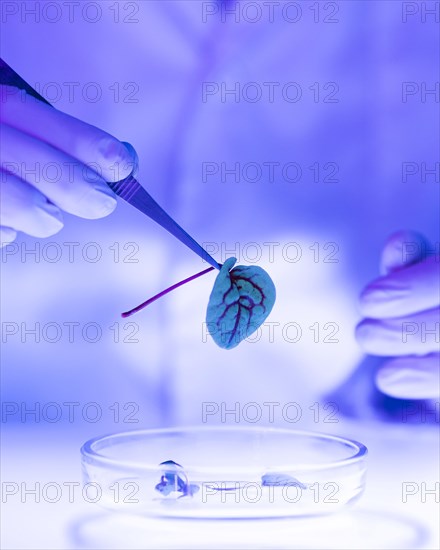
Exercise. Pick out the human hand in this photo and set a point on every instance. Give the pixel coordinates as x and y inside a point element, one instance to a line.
<point>403,318</point>
<point>52,162</point>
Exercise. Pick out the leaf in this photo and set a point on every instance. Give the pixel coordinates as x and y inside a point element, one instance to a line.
<point>174,481</point>
<point>280,480</point>
<point>240,301</point>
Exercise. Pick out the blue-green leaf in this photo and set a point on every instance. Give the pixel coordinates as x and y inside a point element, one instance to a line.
<point>240,301</point>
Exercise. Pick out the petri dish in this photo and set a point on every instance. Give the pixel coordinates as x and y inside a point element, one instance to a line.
<point>223,472</point>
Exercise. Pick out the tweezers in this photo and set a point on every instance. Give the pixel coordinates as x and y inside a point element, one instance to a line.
<point>129,189</point>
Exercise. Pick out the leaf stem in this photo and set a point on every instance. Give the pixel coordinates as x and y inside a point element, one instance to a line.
<point>166,291</point>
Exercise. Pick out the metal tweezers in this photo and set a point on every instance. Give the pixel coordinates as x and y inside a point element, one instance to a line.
<point>129,189</point>
<point>132,192</point>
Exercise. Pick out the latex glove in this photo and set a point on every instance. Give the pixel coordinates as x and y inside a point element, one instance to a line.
<point>52,162</point>
<point>403,318</point>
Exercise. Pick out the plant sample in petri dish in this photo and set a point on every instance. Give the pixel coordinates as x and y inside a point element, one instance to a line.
<point>225,472</point>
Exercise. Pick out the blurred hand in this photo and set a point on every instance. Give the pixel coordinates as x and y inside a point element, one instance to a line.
<point>403,318</point>
<point>52,162</point>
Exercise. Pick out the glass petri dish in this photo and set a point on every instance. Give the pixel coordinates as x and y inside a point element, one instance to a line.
<point>223,472</point>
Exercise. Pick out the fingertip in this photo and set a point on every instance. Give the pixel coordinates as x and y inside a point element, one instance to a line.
<point>133,164</point>
<point>363,333</point>
<point>99,204</point>
<point>7,235</point>
<point>409,378</point>
<point>108,206</point>
<point>375,338</point>
<point>372,299</point>
<point>402,248</point>
<point>385,297</point>
<point>116,160</point>
<point>50,221</point>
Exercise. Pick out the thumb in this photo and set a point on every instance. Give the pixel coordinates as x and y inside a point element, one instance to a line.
<point>134,165</point>
<point>402,249</point>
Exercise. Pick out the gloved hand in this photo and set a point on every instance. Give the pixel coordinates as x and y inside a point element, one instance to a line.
<point>403,318</point>
<point>52,162</point>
